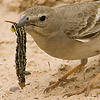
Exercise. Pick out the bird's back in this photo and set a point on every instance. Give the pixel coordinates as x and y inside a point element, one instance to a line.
<point>77,16</point>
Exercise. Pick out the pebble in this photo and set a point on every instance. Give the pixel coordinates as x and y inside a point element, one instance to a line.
<point>13,89</point>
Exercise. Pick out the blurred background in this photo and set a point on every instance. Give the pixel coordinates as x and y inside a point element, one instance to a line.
<point>44,68</point>
<point>20,5</point>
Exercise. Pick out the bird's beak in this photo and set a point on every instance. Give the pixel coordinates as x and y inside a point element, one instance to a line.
<point>24,21</point>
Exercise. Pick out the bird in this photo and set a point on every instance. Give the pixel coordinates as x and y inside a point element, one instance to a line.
<point>68,32</point>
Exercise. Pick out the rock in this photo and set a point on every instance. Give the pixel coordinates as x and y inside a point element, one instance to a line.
<point>13,89</point>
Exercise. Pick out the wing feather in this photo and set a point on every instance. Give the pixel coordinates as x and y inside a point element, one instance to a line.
<point>83,24</point>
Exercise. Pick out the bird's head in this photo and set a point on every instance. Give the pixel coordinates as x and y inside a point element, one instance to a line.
<point>40,19</point>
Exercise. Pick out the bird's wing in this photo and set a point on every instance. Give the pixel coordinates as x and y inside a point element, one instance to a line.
<point>83,21</point>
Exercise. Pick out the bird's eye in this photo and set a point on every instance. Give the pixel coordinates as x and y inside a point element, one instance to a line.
<point>27,18</point>
<point>42,18</point>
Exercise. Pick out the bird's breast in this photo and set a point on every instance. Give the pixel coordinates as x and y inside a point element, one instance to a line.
<point>68,49</point>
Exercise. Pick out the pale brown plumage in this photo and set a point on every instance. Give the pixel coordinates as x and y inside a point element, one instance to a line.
<point>67,32</point>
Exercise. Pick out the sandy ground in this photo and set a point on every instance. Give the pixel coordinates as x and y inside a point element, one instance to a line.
<point>44,68</point>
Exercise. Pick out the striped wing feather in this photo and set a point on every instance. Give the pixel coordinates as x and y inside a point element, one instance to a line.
<point>85,21</point>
